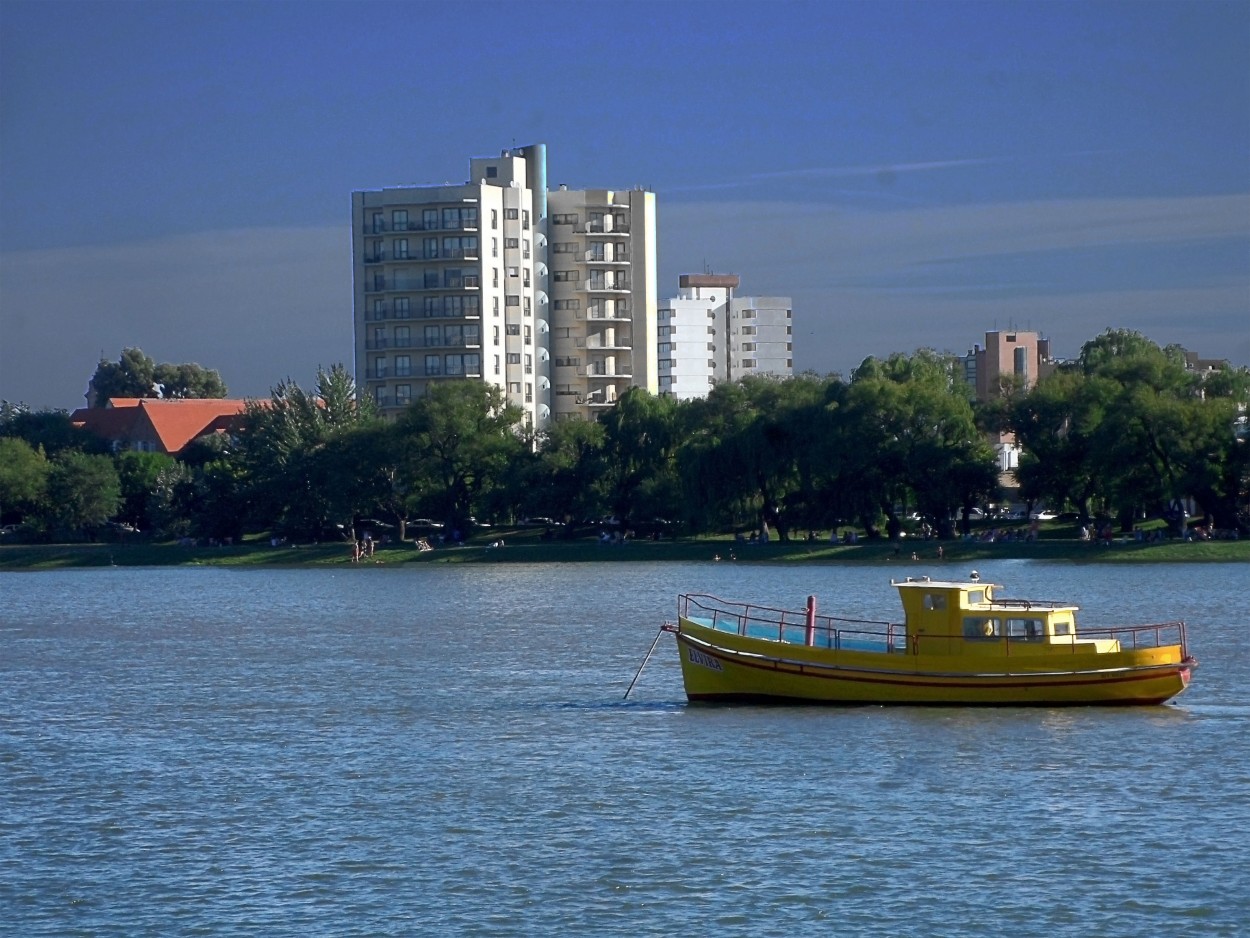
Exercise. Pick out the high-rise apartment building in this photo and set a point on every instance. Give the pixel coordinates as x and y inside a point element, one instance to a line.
<point>708,335</point>
<point>603,290</point>
<point>458,282</point>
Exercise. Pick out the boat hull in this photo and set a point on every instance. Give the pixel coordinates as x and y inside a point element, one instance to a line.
<point>720,666</point>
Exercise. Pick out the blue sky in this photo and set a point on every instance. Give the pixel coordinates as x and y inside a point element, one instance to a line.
<point>177,176</point>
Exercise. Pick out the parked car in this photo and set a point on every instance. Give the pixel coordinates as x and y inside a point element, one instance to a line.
<point>1044,514</point>
<point>423,523</point>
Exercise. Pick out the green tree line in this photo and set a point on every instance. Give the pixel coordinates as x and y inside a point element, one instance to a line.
<point>1124,432</point>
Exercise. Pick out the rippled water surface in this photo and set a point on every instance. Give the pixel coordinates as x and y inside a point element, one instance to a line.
<point>446,751</point>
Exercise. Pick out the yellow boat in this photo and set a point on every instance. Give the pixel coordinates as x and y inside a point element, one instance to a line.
<point>958,644</point>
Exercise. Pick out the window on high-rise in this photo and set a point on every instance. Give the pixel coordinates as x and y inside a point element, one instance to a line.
<point>511,214</point>
<point>399,219</point>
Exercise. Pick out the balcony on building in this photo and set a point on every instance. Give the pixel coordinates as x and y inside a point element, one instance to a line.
<point>603,226</point>
<point>602,257</point>
<point>604,286</point>
<point>608,340</point>
<point>404,285</point>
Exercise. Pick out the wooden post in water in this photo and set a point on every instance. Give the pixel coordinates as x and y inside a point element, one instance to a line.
<point>811,620</point>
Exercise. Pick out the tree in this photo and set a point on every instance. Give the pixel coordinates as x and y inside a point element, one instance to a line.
<point>23,477</point>
<point>138,474</point>
<point>915,438</point>
<point>134,374</point>
<point>461,441</point>
<point>83,492</point>
<point>562,480</point>
<point>301,478</point>
<point>49,430</point>
<point>639,444</point>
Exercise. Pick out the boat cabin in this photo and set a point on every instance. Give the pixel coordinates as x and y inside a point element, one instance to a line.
<point>963,617</point>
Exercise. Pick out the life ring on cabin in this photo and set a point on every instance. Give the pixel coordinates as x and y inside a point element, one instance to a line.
<point>988,630</point>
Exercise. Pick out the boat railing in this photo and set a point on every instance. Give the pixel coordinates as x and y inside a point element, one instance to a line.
<point>1133,637</point>
<point>1030,604</point>
<point>847,634</point>
<point>1085,639</point>
<point>798,628</point>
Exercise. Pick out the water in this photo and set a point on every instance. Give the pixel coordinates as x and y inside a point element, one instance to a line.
<point>445,751</point>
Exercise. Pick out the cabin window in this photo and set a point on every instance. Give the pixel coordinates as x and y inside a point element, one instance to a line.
<point>1063,628</point>
<point>976,596</point>
<point>935,600</point>
<point>1025,630</point>
<point>982,629</point>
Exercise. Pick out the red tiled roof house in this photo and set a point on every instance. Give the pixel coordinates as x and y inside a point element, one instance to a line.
<point>158,426</point>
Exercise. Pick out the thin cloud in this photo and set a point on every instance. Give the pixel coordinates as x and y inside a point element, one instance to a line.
<point>881,171</point>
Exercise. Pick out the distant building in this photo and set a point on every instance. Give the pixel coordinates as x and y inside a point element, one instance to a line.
<point>499,280</point>
<point>1008,358</point>
<point>1022,357</point>
<point>151,425</point>
<point>708,335</point>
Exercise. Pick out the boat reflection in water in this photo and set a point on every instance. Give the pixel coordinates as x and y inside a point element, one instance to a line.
<point>958,644</point>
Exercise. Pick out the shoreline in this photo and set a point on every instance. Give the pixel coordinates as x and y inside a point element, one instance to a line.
<point>258,554</point>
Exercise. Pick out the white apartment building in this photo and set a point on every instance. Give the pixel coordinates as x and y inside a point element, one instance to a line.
<point>455,282</point>
<point>708,335</point>
<point>603,293</point>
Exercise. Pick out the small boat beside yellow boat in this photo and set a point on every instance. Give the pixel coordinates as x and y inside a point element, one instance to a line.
<point>958,644</point>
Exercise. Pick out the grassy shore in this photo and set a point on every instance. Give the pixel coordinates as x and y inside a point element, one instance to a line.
<point>528,547</point>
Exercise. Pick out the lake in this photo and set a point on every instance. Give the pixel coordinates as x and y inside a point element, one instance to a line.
<point>445,750</point>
